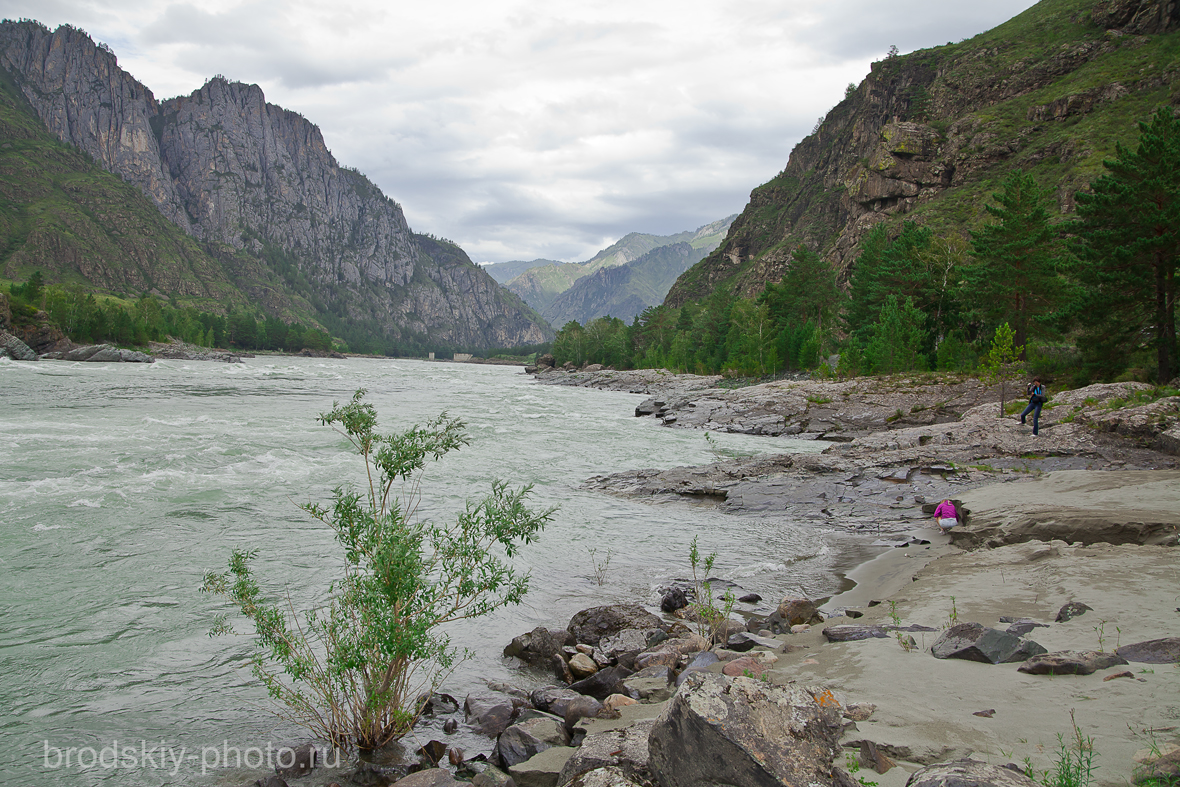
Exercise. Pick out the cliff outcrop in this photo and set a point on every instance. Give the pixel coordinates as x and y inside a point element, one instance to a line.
<point>928,136</point>
<point>251,180</point>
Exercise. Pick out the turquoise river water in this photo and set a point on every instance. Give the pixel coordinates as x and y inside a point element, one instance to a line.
<point>121,484</point>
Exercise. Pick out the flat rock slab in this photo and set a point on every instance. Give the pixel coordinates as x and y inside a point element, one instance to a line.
<point>968,773</point>
<point>976,642</point>
<point>1070,662</point>
<point>851,633</point>
<point>1154,651</point>
<point>542,769</point>
<point>603,777</point>
<point>431,777</point>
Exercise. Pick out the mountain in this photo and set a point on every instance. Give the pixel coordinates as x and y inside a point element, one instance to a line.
<point>265,207</point>
<point>929,136</point>
<point>542,286</point>
<point>624,291</point>
<point>504,272</point>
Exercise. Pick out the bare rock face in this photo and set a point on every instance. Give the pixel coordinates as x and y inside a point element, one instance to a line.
<point>233,170</point>
<point>1139,17</point>
<point>714,732</point>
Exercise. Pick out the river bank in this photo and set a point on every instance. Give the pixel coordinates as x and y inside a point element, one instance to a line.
<point>1087,512</point>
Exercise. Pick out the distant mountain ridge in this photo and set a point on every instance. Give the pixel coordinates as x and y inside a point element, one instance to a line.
<point>257,187</point>
<point>560,290</point>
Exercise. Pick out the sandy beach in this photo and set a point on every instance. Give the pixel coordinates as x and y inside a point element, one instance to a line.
<point>926,707</point>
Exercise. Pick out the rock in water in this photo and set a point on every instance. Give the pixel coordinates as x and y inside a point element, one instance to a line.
<point>15,349</point>
<point>590,625</point>
<point>976,642</point>
<point>538,646</point>
<point>714,732</point>
<point>968,773</point>
<point>1070,662</point>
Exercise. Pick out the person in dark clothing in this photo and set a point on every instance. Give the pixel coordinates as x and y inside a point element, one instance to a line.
<point>1036,398</point>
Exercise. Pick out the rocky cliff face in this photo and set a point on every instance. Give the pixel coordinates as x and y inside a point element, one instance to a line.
<point>241,174</point>
<point>929,135</point>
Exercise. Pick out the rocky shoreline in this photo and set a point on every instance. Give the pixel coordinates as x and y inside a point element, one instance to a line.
<point>954,659</point>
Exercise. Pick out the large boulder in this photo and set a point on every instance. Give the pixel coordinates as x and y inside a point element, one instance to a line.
<point>539,645</point>
<point>14,348</point>
<point>968,773</point>
<point>625,748</point>
<point>591,625</point>
<point>531,734</point>
<point>714,731</point>
<point>623,647</point>
<point>794,610</point>
<point>976,642</point>
<point>1070,662</point>
<point>1155,651</point>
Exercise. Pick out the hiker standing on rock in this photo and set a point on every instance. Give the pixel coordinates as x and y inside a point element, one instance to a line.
<point>1036,398</point>
<point>945,516</point>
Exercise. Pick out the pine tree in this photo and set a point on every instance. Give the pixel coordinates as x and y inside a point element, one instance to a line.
<point>1014,277</point>
<point>1000,363</point>
<point>1128,241</point>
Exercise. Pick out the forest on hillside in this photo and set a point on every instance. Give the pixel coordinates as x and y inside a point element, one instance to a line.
<point>1090,298</point>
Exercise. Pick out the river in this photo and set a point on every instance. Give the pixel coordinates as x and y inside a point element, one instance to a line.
<point>122,484</point>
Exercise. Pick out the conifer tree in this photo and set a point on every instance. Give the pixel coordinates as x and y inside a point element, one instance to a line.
<point>1014,277</point>
<point>1128,241</point>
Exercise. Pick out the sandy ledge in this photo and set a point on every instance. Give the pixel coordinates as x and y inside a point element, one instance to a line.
<point>925,706</point>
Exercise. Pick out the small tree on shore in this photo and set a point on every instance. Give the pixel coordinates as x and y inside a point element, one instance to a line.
<point>1000,363</point>
<point>355,671</point>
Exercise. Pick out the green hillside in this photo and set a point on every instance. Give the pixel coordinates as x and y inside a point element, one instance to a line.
<point>1051,92</point>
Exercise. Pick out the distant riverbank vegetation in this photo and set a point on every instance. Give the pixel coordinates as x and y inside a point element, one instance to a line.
<point>87,319</point>
<point>1088,299</point>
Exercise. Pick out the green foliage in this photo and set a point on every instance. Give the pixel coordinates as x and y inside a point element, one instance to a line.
<point>1074,766</point>
<point>895,343</point>
<point>1128,243</point>
<point>354,670</point>
<point>710,617</point>
<point>1000,363</point>
<point>1014,277</point>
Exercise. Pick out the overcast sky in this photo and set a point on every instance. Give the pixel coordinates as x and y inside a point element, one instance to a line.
<point>535,128</point>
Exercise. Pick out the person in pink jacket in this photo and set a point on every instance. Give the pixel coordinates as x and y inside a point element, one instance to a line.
<point>946,516</point>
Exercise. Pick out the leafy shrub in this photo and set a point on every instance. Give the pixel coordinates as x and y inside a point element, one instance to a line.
<point>355,671</point>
